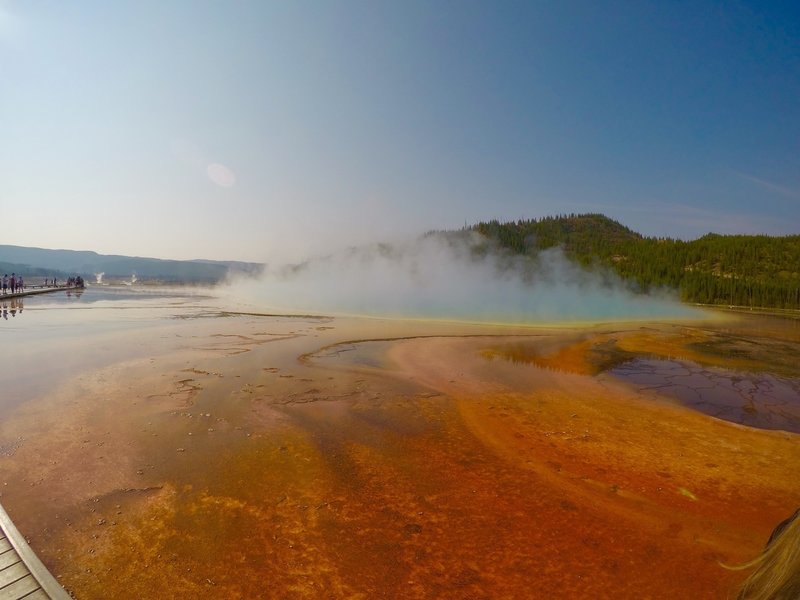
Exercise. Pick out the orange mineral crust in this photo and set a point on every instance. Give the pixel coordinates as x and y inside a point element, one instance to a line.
<point>650,489</point>
<point>266,457</point>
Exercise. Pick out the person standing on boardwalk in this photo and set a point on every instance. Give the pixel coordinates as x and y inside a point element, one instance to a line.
<point>20,284</point>
<point>13,282</point>
<point>5,283</point>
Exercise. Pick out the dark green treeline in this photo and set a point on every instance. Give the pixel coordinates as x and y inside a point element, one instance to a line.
<point>740,270</point>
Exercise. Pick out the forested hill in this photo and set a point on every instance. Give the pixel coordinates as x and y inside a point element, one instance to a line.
<point>741,270</point>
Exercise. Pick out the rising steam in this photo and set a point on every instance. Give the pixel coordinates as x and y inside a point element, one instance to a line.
<point>452,276</point>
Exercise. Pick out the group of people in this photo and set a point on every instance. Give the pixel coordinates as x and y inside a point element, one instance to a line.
<point>16,283</point>
<point>76,281</point>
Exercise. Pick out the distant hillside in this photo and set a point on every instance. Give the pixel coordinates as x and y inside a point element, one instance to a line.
<point>40,262</point>
<point>741,270</point>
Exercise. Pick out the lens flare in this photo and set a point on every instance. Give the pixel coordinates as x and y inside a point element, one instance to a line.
<point>221,175</point>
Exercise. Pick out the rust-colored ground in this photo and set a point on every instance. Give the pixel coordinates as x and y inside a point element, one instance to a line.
<point>216,464</point>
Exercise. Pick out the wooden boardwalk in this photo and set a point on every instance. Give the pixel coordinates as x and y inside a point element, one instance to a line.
<point>31,291</point>
<point>22,574</point>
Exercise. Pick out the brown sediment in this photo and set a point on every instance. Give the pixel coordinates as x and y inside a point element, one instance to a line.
<point>202,470</point>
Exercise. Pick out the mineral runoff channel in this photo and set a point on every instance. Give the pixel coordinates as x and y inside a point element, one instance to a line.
<point>246,456</point>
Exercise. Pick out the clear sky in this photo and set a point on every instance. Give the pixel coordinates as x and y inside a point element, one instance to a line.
<point>272,131</point>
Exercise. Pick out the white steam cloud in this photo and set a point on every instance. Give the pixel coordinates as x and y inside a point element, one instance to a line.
<point>452,276</point>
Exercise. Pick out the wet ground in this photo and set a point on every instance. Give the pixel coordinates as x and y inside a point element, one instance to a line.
<point>187,451</point>
<point>753,380</point>
<point>755,399</point>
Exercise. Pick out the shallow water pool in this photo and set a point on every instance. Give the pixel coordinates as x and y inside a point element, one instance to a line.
<point>758,400</point>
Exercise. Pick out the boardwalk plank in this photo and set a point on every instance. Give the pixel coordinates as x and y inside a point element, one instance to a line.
<point>39,594</point>
<point>10,574</point>
<point>5,544</point>
<point>19,588</point>
<point>8,558</point>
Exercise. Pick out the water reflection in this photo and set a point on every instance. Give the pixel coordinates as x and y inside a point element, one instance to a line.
<point>94,294</point>
<point>750,379</point>
<point>106,297</point>
<point>11,307</point>
<point>759,400</point>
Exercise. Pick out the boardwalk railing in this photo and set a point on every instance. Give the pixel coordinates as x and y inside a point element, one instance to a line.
<point>22,574</point>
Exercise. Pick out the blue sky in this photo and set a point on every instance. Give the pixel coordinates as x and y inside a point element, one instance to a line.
<point>274,131</point>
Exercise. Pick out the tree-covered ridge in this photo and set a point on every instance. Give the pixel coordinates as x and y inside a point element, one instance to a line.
<point>741,270</point>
